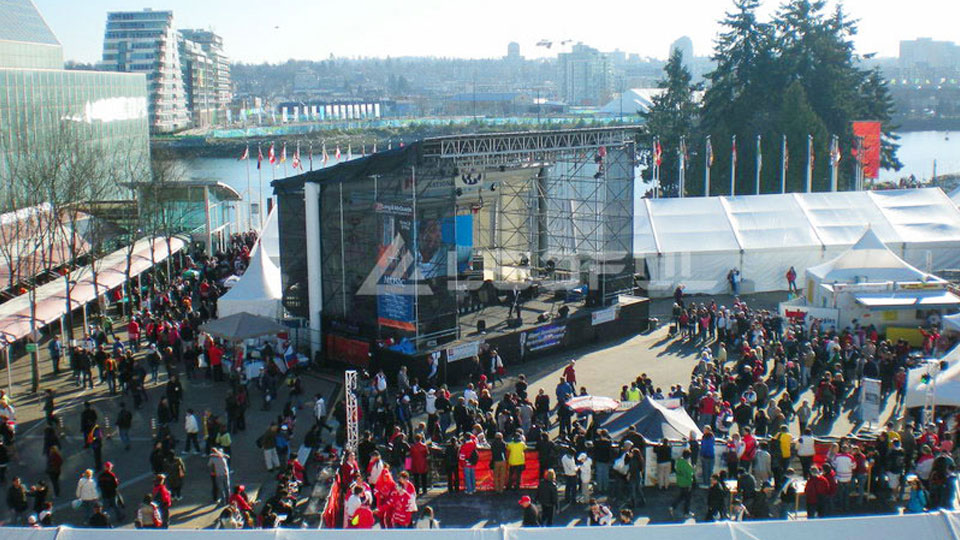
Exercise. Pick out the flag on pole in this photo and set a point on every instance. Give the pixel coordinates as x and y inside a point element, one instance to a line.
<point>374,148</point>
<point>271,155</point>
<point>349,152</point>
<point>259,156</point>
<point>363,150</point>
<point>835,151</point>
<point>337,153</point>
<point>245,155</point>
<point>297,164</point>
<point>759,154</point>
<point>657,153</point>
<point>325,156</point>
<point>311,155</point>
<point>683,153</point>
<point>812,156</point>
<point>786,155</point>
<point>733,150</point>
<point>709,152</point>
<point>283,153</point>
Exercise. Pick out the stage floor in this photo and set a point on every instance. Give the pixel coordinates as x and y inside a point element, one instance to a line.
<point>496,316</point>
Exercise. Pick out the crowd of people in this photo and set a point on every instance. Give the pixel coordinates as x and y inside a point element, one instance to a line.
<point>746,391</point>
<point>162,346</point>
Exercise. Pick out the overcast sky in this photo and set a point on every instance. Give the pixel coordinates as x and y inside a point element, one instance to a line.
<point>274,31</point>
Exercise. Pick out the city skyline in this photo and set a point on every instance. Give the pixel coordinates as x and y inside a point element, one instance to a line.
<point>377,28</point>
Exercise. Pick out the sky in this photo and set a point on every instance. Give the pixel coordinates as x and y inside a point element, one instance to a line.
<point>275,31</point>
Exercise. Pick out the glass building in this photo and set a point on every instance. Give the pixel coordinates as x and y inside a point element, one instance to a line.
<point>46,109</point>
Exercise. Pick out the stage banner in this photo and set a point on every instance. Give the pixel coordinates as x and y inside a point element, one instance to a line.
<point>351,351</point>
<point>869,148</point>
<point>459,232</point>
<point>604,315</point>
<point>541,338</point>
<point>396,304</point>
<point>464,350</point>
<point>870,400</point>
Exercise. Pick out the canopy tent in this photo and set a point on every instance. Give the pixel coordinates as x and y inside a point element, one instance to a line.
<point>259,289</point>
<point>270,237</point>
<point>653,420</point>
<point>696,241</point>
<point>51,298</point>
<point>947,383</point>
<point>868,259</point>
<point>951,322</point>
<point>632,101</point>
<point>241,326</point>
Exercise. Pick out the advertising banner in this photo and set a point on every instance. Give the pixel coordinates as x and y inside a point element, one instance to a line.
<point>805,315</point>
<point>464,350</point>
<point>541,338</point>
<point>604,315</point>
<point>870,400</point>
<point>869,147</point>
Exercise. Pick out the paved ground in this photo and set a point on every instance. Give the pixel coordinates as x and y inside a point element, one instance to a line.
<point>133,467</point>
<point>601,369</point>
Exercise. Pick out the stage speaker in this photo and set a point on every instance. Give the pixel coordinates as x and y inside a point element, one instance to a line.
<point>481,325</point>
<point>593,298</point>
<point>515,323</point>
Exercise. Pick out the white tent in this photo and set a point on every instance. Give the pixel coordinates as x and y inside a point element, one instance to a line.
<point>696,241</point>
<point>270,237</point>
<point>259,290</point>
<point>947,383</point>
<point>951,322</point>
<point>868,260</point>
<point>631,102</point>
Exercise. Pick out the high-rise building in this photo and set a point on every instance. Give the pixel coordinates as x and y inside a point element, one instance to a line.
<point>147,42</point>
<point>199,83</point>
<point>513,51</point>
<point>44,106</point>
<point>685,46</point>
<point>586,76</point>
<point>927,53</point>
<point>212,45</point>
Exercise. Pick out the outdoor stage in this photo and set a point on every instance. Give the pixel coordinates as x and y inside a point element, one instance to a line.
<point>421,253</point>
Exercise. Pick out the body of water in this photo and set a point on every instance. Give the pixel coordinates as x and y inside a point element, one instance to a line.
<point>918,151</point>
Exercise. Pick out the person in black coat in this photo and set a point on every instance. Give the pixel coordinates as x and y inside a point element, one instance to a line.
<point>548,496</point>
<point>531,516</point>
<point>716,498</point>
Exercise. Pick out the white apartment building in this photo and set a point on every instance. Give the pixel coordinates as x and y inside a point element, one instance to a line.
<point>147,42</point>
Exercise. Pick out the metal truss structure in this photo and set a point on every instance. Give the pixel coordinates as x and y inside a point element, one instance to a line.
<point>513,149</point>
<point>353,418</point>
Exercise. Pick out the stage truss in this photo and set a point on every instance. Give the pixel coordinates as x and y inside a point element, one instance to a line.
<point>562,212</point>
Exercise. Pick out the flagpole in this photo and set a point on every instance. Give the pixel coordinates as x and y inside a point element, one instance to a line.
<point>311,155</point>
<point>263,202</point>
<point>783,164</point>
<point>809,181</point>
<point>683,172</point>
<point>759,160</point>
<point>834,143</point>
<point>260,192</point>
<point>249,217</point>
<point>706,168</point>
<point>656,170</point>
<point>733,167</point>
<point>285,174</point>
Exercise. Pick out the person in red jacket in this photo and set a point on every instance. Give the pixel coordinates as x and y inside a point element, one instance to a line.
<point>403,503</point>
<point>162,497</point>
<point>817,492</point>
<point>239,498</point>
<point>749,449</point>
<point>384,489</point>
<point>419,454</point>
<point>362,518</point>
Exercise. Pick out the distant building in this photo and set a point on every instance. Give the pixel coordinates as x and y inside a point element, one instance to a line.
<point>40,100</point>
<point>147,42</point>
<point>212,46</point>
<point>585,76</point>
<point>927,53</point>
<point>199,83</point>
<point>513,51</point>
<point>685,46</point>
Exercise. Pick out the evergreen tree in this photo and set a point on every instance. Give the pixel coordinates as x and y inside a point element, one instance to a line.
<point>673,115</point>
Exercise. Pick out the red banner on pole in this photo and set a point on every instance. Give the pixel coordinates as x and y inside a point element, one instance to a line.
<point>868,147</point>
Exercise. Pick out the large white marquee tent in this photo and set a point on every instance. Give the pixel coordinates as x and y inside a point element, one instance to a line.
<point>697,241</point>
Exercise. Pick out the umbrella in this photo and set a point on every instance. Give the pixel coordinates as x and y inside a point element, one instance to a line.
<point>191,274</point>
<point>594,404</point>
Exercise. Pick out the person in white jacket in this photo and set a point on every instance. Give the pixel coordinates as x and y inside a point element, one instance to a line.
<point>844,464</point>
<point>87,492</point>
<point>586,475</point>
